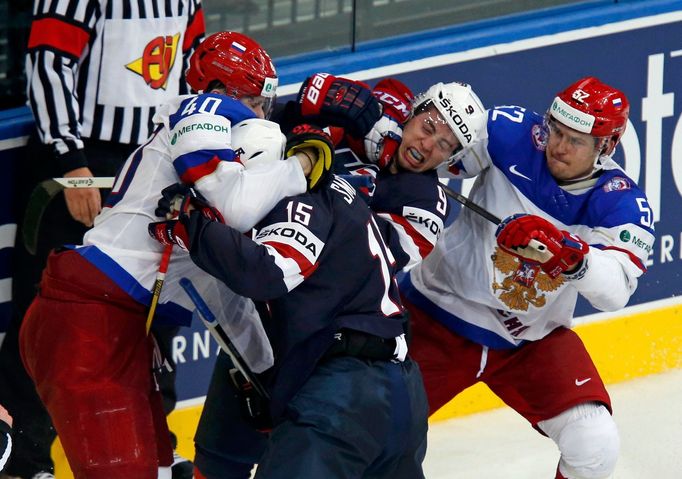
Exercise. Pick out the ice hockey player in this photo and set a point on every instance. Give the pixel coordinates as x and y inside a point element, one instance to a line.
<point>346,400</point>
<point>83,339</point>
<point>488,306</point>
<point>414,204</point>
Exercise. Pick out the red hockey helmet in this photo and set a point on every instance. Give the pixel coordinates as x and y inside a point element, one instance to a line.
<point>591,106</point>
<point>236,61</point>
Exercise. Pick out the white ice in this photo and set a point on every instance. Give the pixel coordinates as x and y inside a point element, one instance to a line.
<point>500,444</point>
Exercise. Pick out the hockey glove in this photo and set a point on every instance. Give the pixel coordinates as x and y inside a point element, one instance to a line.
<point>329,100</point>
<point>383,139</point>
<point>180,199</point>
<point>170,232</point>
<point>311,137</point>
<point>520,234</point>
<point>167,206</point>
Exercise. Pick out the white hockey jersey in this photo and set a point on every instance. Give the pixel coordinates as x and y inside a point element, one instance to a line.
<point>232,158</point>
<point>478,291</point>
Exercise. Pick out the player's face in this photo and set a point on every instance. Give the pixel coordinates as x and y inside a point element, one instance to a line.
<point>260,105</point>
<point>570,153</point>
<point>427,142</point>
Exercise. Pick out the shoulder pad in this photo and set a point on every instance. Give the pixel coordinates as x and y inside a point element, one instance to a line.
<point>258,139</point>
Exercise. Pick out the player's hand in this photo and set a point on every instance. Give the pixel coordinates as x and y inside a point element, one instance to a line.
<point>179,199</point>
<point>83,203</point>
<point>383,139</point>
<point>536,240</point>
<point>308,138</point>
<point>168,206</point>
<point>329,100</point>
<point>170,232</point>
<point>4,416</point>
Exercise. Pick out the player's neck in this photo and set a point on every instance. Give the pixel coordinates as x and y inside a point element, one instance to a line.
<point>582,182</point>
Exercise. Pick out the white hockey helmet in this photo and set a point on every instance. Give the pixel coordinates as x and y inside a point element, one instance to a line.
<point>461,109</point>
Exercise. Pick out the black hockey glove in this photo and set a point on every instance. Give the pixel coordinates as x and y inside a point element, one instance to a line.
<point>336,101</point>
<point>168,205</point>
<point>180,199</point>
<point>170,232</point>
<point>311,137</point>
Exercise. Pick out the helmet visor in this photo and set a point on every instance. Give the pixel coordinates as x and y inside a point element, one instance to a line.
<point>260,104</point>
<point>437,132</point>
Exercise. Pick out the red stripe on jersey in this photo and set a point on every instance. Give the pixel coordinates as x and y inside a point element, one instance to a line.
<point>424,245</point>
<point>195,29</point>
<point>54,33</point>
<point>286,251</point>
<point>631,255</point>
<point>191,175</point>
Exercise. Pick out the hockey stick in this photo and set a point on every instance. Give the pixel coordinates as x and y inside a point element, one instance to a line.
<point>176,203</point>
<point>471,205</point>
<point>44,193</point>
<point>158,284</point>
<point>217,331</point>
<point>535,244</point>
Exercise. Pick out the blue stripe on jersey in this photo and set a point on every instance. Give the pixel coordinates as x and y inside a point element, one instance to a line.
<point>212,104</point>
<point>453,323</point>
<point>168,313</point>
<point>515,146</point>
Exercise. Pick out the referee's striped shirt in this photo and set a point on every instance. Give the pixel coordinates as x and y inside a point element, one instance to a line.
<point>99,68</point>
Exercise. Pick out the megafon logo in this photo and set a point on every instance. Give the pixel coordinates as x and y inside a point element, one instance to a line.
<point>157,61</point>
<point>572,117</point>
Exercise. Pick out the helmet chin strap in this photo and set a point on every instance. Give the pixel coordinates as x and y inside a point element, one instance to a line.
<point>597,165</point>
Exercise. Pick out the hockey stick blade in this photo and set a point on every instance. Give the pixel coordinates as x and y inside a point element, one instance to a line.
<point>221,336</point>
<point>42,195</point>
<point>535,244</point>
<point>86,182</point>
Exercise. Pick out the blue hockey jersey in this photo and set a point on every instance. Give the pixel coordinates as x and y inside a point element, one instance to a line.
<point>320,261</point>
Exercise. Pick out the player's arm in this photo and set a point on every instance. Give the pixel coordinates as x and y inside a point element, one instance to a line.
<point>328,100</point>
<point>55,46</point>
<point>284,252</point>
<point>605,271</point>
<point>416,207</point>
<point>232,158</point>
<point>5,438</point>
<point>619,251</point>
<point>247,189</point>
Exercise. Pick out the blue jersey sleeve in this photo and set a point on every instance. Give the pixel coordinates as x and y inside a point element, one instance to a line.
<point>285,249</point>
<point>416,205</point>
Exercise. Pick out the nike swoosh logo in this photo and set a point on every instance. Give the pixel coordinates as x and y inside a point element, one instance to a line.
<point>580,383</point>
<point>512,169</point>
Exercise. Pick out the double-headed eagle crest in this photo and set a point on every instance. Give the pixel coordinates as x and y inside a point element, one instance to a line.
<point>522,284</point>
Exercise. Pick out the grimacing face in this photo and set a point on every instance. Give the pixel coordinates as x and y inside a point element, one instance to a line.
<point>427,142</point>
<point>258,104</point>
<point>570,153</point>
